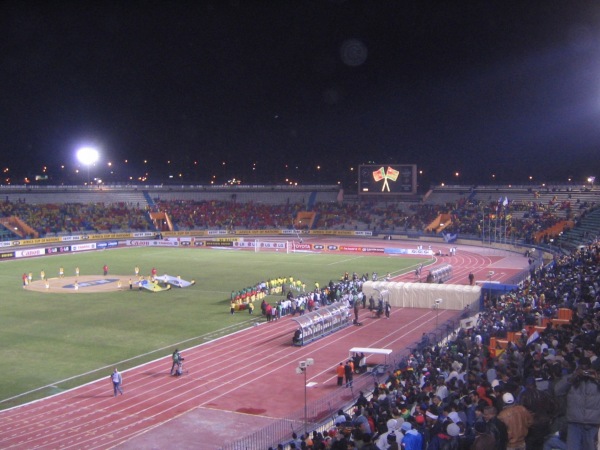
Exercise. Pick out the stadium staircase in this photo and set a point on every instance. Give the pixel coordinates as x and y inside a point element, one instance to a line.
<point>586,230</point>
<point>149,200</point>
<point>553,231</point>
<point>6,234</point>
<point>17,227</point>
<point>312,198</point>
<point>305,220</point>
<point>162,221</point>
<point>439,223</point>
<point>472,194</point>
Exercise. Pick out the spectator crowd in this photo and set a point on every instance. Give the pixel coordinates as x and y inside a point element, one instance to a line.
<point>518,220</point>
<point>540,392</point>
<point>52,219</point>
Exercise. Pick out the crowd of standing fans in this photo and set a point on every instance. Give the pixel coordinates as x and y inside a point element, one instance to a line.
<point>540,392</point>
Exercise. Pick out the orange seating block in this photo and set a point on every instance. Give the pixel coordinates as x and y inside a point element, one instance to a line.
<point>513,336</point>
<point>565,313</point>
<point>502,343</point>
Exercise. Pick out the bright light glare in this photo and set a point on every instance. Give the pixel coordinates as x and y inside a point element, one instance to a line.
<point>87,155</point>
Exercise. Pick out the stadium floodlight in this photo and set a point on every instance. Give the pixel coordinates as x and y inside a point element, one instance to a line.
<point>88,156</point>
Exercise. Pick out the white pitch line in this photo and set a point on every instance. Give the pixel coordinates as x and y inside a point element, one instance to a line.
<point>344,260</point>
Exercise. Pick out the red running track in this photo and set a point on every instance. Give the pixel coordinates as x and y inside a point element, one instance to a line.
<point>235,386</point>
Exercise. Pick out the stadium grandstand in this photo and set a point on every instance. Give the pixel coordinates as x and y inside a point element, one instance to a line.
<point>557,216</point>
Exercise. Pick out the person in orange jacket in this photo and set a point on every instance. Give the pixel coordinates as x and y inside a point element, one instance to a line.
<point>340,374</point>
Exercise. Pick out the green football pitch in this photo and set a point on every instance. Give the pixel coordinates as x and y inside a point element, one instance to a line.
<point>52,342</point>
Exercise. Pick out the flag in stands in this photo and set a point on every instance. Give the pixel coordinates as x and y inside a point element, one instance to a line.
<point>534,337</point>
<point>448,237</point>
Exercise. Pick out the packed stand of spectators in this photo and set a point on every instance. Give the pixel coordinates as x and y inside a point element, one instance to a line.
<point>52,219</point>
<point>468,217</point>
<point>533,208</point>
<point>191,214</point>
<point>375,216</point>
<point>541,392</point>
<point>471,217</point>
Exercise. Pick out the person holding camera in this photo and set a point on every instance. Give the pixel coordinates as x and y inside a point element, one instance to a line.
<point>177,360</point>
<point>117,381</point>
<point>582,389</point>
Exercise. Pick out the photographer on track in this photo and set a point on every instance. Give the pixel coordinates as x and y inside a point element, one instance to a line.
<point>583,405</point>
<point>177,361</point>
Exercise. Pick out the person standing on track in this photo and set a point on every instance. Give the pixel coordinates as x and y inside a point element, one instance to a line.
<point>176,360</point>
<point>340,372</point>
<point>348,373</point>
<point>117,380</point>
<point>471,279</point>
<point>419,270</point>
<point>371,303</point>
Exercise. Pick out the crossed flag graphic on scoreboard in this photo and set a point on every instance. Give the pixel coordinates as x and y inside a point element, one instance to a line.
<point>389,174</point>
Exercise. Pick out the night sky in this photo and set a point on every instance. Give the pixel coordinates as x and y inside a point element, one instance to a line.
<point>304,90</point>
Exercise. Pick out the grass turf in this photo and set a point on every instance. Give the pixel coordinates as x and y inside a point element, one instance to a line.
<point>52,342</point>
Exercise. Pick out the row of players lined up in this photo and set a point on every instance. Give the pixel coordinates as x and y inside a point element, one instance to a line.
<point>27,278</point>
<point>297,301</point>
